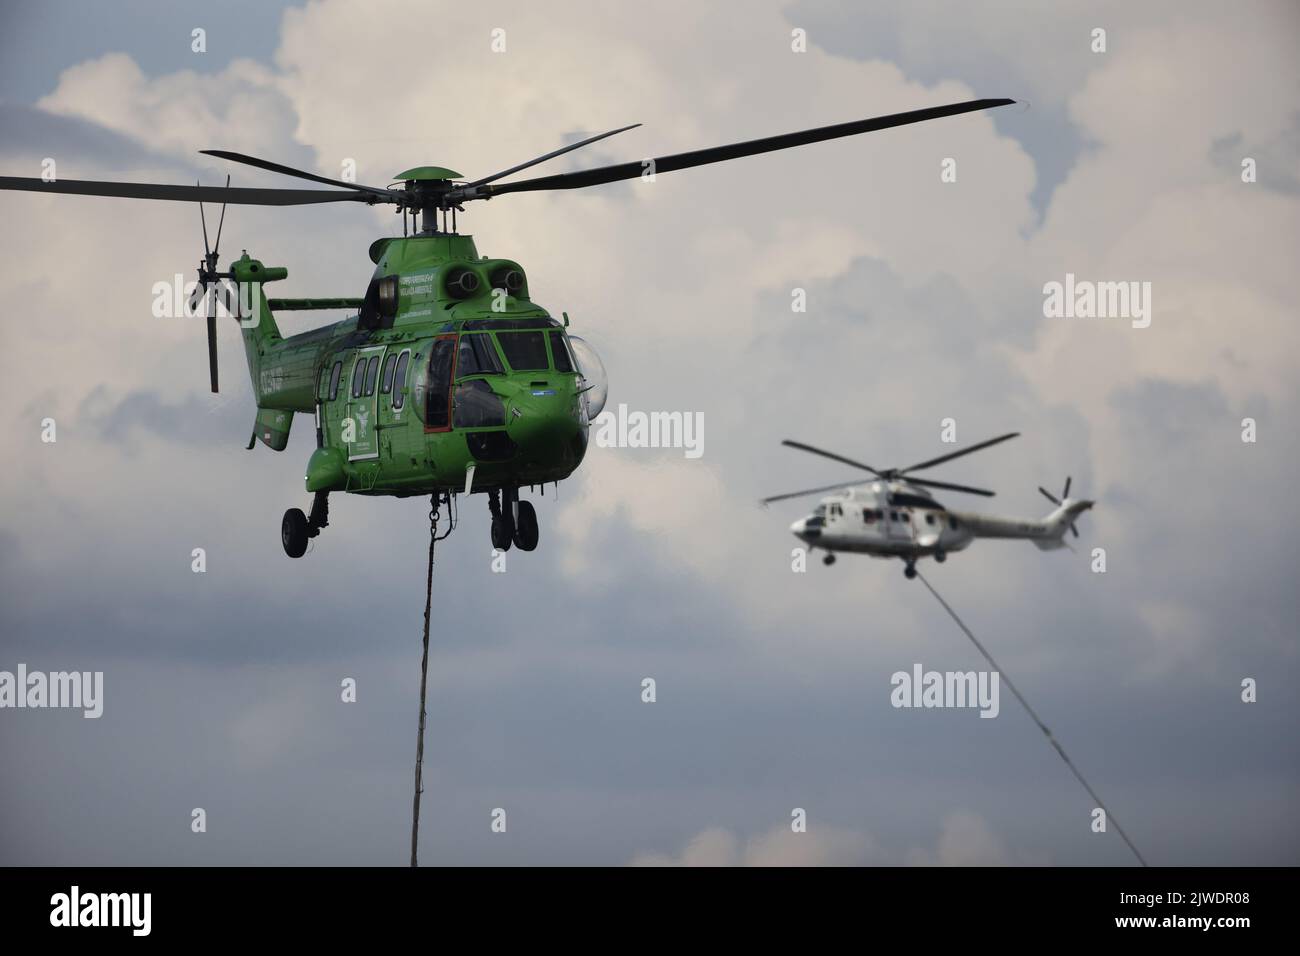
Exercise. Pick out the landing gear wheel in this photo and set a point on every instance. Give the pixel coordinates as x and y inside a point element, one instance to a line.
<point>502,532</point>
<point>828,560</point>
<point>294,533</point>
<point>940,557</point>
<point>909,572</point>
<point>503,523</point>
<point>526,531</point>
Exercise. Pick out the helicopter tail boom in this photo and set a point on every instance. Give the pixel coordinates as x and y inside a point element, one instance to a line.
<point>1047,533</point>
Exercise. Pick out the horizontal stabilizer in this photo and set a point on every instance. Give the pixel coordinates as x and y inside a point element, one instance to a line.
<point>272,428</point>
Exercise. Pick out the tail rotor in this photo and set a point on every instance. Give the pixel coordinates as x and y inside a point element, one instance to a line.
<point>208,276</point>
<point>1065,494</point>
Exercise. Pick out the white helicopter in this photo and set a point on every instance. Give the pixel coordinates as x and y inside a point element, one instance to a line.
<point>896,517</point>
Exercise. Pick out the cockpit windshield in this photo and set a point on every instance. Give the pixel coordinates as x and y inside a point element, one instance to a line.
<point>477,356</point>
<point>525,351</point>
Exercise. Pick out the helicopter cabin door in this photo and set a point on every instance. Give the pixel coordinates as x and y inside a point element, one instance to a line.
<point>896,521</point>
<point>359,426</point>
<point>442,361</point>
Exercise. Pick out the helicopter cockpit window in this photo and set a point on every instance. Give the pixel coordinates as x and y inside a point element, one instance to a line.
<point>820,511</point>
<point>477,406</point>
<point>560,353</point>
<point>358,377</point>
<point>477,356</point>
<point>525,351</point>
<point>334,380</point>
<point>386,380</point>
<point>836,511</point>
<point>372,373</point>
<point>399,380</point>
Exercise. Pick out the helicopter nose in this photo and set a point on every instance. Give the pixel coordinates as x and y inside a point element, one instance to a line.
<point>804,530</point>
<point>542,423</point>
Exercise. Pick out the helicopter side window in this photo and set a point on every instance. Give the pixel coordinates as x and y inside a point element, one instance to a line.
<point>358,377</point>
<point>399,379</point>
<point>560,352</point>
<point>386,380</point>
<point>525,351</point>
<point>869,515</point>
<point>372,373</point>
<point>836,511</point>
<point>929,518</point>
<point>476,356</point>
<point>334,380</point>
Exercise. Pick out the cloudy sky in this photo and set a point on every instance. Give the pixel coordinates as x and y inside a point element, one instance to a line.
<point>924,302</point>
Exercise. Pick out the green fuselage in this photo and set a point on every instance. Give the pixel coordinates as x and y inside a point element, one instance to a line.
<point>448,365</point>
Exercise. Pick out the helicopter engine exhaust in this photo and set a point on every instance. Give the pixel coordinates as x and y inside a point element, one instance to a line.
<point>462,283</point>
<point>511,280</point>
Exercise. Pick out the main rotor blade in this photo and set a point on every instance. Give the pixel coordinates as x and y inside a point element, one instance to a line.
<point>290,171</point>
<point>240,196</point>
<point>551,155</point>
<point>831,455</point>
<point>957,454</point>
<point>950,487</point>
<point>810,491</point>
<point>717,154</point>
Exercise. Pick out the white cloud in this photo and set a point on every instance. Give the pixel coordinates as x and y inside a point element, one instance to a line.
<point>780,846</point>
<point>965,839</point>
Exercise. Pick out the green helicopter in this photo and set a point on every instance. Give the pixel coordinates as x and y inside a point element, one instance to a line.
<point>449,379</point>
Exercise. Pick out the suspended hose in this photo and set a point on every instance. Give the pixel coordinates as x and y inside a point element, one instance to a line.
<point>1110,817</point>
<point>424,683</point>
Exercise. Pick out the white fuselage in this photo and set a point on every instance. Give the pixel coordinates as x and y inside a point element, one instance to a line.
<point>895,519</point>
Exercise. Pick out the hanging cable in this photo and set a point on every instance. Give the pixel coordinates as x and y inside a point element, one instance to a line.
<point>1110,817</point>
<point>424,675</point>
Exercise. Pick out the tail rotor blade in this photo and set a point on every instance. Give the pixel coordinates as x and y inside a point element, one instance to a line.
<point>1049,496</point>
<point>1066,492</point>
<point>1074,529</point>
<point>204,220</point>
<point>212,348</point>
<point>217,246</point>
